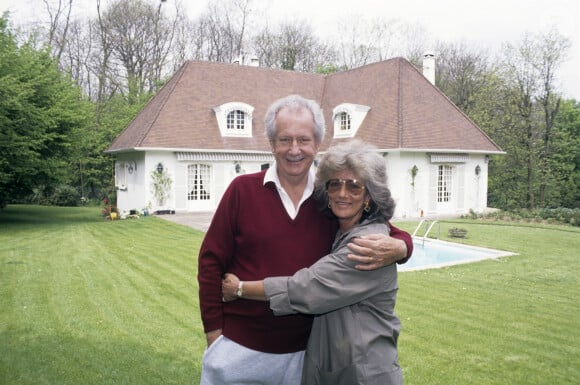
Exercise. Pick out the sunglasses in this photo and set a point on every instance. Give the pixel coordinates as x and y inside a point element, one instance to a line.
<point>353,186</point>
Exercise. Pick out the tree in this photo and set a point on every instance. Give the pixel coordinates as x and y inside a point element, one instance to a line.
<point>138,38</point>
<point>528,70</point>
<point>564,176</point>
<point>59,26</point>
<point>220,33</point>
<point>461,73</point>
<point>293,46</point>
<point>551,48</point>
<point>40,110</point>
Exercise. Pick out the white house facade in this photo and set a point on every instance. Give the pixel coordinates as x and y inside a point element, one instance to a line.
<point>183,150</point>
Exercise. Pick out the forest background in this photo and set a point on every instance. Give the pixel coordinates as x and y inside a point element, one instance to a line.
<point>70,84</point>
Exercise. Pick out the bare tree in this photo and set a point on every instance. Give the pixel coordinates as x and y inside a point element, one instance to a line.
<point>139,38</point>
<point>461,73</point>
<point>59,24</point>
<point>363,41</point>
<point>292,46</point>
<point>220,34</point>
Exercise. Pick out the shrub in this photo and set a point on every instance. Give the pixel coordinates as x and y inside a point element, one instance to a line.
<point>558,215</point>
<point>65,196</point>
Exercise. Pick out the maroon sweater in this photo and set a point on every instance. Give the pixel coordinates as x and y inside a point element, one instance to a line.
<point>252,236</point>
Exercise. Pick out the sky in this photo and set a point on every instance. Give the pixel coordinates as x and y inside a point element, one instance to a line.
<point>484,24</point>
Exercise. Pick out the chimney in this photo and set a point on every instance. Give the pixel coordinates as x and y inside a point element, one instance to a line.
<point>246,60</point>
<point>429,66</point>
<point>254,61</point>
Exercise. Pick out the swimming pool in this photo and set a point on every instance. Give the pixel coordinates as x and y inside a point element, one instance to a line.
<point>431,253</point>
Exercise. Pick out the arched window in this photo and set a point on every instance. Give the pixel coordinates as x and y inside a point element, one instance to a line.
<point>344,121</point>
<point>347,118</point>
<point>236,120</point>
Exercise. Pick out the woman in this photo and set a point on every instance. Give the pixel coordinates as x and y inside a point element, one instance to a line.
<point>355,331</point>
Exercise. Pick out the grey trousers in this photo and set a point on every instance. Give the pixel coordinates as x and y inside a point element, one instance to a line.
<point>226,362</point>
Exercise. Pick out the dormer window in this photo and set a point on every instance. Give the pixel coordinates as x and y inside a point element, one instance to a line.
<point>234,119</point>
<point>347,119</point>
<point>344,121</point>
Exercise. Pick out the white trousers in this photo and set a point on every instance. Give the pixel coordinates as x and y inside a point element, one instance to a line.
<point>226,362</point>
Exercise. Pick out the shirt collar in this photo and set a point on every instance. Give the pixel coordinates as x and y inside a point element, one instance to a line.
<point>272,176</point>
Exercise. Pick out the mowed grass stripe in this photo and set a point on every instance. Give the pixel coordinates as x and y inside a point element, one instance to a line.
<point>101,313</point>
<point>157,287</point>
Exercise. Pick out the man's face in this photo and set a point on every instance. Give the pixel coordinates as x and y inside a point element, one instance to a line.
<point>294,146</point>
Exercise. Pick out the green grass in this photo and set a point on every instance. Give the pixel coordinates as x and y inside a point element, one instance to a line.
<point>509,321</point>
<point>86,301</point>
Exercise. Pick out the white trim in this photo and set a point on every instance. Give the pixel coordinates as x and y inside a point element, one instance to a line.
<point>448,158</point>
<point>183,156</point>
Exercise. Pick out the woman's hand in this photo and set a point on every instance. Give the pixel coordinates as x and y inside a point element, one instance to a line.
<point>230,284</point>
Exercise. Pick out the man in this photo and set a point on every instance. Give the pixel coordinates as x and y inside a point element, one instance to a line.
<point>267,224</point>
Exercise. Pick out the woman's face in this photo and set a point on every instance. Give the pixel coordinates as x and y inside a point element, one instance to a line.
<point>347,197</point>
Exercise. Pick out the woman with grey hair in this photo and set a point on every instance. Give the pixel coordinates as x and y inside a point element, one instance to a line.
<point>355,331</point>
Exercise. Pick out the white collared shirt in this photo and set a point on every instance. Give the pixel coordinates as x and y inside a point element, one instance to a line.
<point>272,176</point>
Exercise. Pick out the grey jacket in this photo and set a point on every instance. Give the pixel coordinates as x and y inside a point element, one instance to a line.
<point>355,331</point>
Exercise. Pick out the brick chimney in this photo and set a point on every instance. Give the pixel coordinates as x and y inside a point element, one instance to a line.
<point>429,66</point>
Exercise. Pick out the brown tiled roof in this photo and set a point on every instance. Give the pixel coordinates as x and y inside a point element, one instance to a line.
<point>407,111</point>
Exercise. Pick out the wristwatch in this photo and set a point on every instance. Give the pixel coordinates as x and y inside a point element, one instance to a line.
<point>240,290</point>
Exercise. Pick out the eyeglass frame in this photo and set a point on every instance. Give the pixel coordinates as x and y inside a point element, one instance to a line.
<point>348,183</point>
<point>287,141</point>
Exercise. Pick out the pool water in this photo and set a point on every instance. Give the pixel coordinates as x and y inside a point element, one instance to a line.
<point>430,253</point>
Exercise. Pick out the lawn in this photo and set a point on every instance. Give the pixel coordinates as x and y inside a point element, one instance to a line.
<point>87,301</point>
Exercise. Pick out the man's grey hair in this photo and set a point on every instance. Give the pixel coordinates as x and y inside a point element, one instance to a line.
<point>295,103</point>
<point>367,164</point>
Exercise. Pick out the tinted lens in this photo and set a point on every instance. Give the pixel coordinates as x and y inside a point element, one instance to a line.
<point>353,186</point>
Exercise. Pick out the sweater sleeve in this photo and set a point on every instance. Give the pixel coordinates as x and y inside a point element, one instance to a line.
<point>405,237</point>
<point>215,256</point>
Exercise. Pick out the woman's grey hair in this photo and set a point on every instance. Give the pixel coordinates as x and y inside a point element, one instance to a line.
<point>295,102</point>
<point>367,164</point>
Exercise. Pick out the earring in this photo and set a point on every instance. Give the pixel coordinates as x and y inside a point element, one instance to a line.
<point>367,207</point>
<point>329,205</point>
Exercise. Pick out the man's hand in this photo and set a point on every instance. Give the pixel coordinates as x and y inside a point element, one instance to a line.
<point>374,251</point>
<point>212,336</point>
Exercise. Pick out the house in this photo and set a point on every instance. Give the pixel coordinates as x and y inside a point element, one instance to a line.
<point>205,127</point>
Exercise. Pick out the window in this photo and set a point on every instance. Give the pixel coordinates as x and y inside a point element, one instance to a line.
<point>444,177</point>
<point>347,118</point>
<point>344,121</point>
<point>198,182</point>
<point>121,175</point>
<point>234,119</point>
